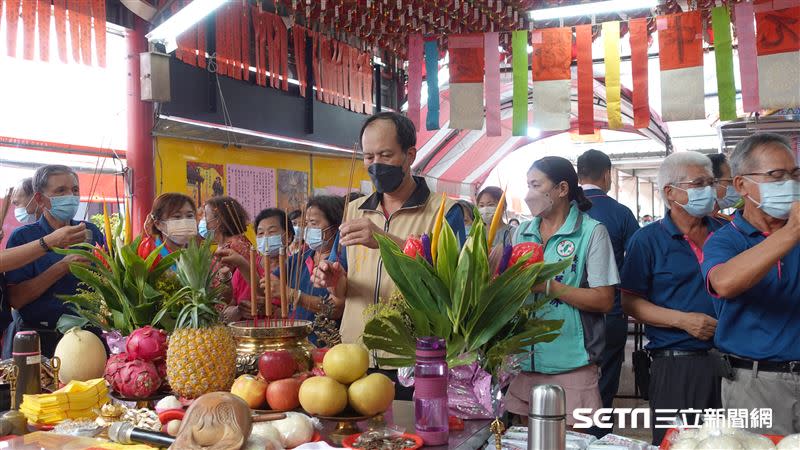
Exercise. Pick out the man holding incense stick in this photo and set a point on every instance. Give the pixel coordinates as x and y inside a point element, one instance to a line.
<point>401,206</point>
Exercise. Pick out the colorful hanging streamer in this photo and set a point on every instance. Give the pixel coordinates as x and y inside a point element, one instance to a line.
<point>550,72</point>
<point>583,41</point>
<point>748,62</point>
<point>414,78</point>
<point>12,20</point>
<point>641,100</point>
<point>519,49</point>
<point>723,54</point>
<point>491,56</point>
<point>44,13</point>
<point>466,81</point>
<point>778,48</point>
<point>28,29</point>
<point>99,17</point>
<point>613,101</point>
<point>432,70</point>
<point>680,48</point>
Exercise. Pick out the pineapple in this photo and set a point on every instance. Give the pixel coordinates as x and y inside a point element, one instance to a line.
<point>201,356</point>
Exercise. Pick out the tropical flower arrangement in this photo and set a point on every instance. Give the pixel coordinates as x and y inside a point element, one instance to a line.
<point>455,294</point>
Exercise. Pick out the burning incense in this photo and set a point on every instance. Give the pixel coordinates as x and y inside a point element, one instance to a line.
<point>253,286</point>
<point>268,286</point>
<point>6,205</point>
<point>347,198</point>
<point>282,271</point>
<point>299,263</point>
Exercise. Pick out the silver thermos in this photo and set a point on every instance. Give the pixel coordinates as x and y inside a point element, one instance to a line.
<point>547,419</point>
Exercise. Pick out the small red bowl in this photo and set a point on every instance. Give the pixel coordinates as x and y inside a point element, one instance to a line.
<point>349,441</point>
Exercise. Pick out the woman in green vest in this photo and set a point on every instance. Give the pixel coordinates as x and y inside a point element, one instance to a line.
<point>580,295</point>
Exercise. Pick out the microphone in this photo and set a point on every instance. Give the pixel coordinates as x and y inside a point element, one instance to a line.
<point>126,433</point>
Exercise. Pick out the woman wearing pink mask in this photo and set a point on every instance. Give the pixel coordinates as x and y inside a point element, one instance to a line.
<point>579,296</point>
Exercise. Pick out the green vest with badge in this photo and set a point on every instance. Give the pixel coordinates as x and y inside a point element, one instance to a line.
<point>568,351</point>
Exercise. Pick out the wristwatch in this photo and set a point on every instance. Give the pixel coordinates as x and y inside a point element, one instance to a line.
<point>43,244</point>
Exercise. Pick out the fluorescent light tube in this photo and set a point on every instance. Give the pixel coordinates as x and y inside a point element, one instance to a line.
<point>179,22</point>
<point>588,9</point>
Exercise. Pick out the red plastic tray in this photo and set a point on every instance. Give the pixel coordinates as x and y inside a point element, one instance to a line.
<point>667,442</point>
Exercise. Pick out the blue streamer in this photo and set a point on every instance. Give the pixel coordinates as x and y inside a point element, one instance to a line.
<point>432,70</point>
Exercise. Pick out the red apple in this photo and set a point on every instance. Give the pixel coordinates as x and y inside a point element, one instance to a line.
<point>283,395</point>
<point>277,365</point>
<point>303,376</point>
<point>318,372</point>
<point>251,389</point>
<point>318,354</point>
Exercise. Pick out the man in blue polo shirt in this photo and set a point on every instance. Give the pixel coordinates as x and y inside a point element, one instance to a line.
<point>594,171</point>
<point>663,287</point>
<point>33,288</point>
<point>752,267</point>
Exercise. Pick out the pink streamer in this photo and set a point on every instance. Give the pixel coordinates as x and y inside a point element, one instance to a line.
<point>415,62</point>
<point>748,64</point>
<point>492,83</point>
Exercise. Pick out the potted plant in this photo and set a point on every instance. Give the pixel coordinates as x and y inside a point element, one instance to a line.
<point>484,314</point>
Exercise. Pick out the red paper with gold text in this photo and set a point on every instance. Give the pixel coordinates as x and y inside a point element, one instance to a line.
<point>680,40</point>
<point>583,35</point>
<point>641,102</point>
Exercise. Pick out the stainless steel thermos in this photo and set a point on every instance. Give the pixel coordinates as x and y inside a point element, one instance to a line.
<point>27,354</point>
<point>547,419</point>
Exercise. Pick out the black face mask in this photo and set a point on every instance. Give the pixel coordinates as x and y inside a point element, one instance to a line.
<point>386,177</point>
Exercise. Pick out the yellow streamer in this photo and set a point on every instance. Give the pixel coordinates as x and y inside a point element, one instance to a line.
<point>437,228</point>
<point>611,42</point>
<point>107,230</point>
<point>498,215</point>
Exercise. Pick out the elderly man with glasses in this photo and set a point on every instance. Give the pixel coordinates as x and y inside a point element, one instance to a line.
<point>752,268</point>
<point>663,287</point>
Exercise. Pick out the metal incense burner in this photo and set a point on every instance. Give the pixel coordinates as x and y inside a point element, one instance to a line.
<point>252,340</point>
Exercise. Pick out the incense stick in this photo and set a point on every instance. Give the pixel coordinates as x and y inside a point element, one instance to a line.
<point>6,205</point>
<point>299,263</point>
<point>239,226</point>
<point>282,273</point>
<point>347,199</point>
<point>268,286</point>
<point>253,286</point>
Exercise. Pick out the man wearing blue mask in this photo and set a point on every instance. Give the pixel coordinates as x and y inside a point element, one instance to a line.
<point>401,206</point>
<point>35,287</point>
<point>752,268</point>
<point>663,287</point>
<point>727,197</point>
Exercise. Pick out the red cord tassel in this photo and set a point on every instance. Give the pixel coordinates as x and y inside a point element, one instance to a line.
<point>236,39</point>
<point>245,33</point>
<point>299,42</point>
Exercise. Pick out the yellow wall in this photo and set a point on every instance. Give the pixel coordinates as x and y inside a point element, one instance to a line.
<point>173,154</point>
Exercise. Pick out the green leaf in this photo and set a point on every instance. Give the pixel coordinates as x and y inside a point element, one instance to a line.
<point>396,362</point>
<point>446,255</point>
<point>67,322</point>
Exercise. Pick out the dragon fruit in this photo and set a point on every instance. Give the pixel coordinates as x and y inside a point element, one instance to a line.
<point>137,379</point>
<point>113,366</point>
<point>147,343</point>
<point>161,368</point>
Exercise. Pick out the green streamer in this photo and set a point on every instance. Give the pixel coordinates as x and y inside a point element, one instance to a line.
<point>723,53</point>
<point>520,66</point>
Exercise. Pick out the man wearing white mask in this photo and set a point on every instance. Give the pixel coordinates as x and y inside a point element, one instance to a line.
<point>663,287</point>
<point>487,202</point>
<point>752,268</point>
<point>35,287</point>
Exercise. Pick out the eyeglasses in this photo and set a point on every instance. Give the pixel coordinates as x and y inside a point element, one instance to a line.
<point>699,182</point>
<point>779,174</point>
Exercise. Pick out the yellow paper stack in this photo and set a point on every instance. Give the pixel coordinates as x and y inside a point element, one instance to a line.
<point>76,400</point>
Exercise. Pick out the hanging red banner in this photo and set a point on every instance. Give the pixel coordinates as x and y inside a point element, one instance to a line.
<point>29,29</point>
<point>583,41</point>
<point>259,29</point>
<point>299,42</point>
<point>75,29</point>
<point>552,57</point>
<point>778,49</point>
<point>85,17</point>
<point>236,38</point>
<point>284,52</point>
<point>201,44</point>
<point>641,101</point>
<point>12,19</point>
<point>680,45</point>
<point>466,81</point>
<point>99,16</point>
<point>222,46</point>
<point>316,63</point>
<point>415,64</point>
<point>44,13</point>
<point>244,26</point>
<point>60,14</point>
